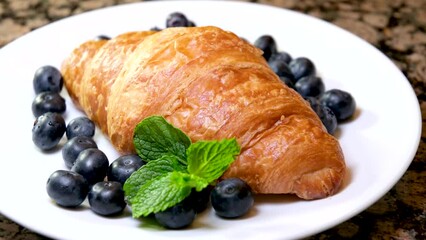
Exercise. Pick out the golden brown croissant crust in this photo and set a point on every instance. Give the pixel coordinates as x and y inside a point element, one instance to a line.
<point>212,85</point>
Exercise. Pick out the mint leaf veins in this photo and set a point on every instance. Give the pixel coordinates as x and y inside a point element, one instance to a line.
<point>153,169</point>
<point>164,192</point>
<point>154,137</point>
<point>175,166</point>
<point>210,159</point>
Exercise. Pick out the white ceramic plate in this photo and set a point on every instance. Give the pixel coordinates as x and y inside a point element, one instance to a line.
<point>379,144</point>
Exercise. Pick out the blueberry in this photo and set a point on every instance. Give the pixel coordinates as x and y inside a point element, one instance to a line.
<point>102,37</point>
<point>178,216</point>
<point>310,86</point>
<point>301,67</point>
<point>313,102</point>
<point>66,188</point>
<point>121,168</point>
<point>80,126</point>
<point>74,146</point>
<point>328,119</point>
<point>93,164</point>
<point>107,198</point>
<point>281,69</point>
<point>48,102</point>
<point>231,198</point>
<point>287,82</point>
<point>47,78</point>
<point>48,130</point>
<point>281,56</point>
<point>191,24</point>
<point>176,19</point>
<point>155,28</point>
<point>200,200</point>
<point>267,44</point>
<point>327,116</point>
<point>340,102</point>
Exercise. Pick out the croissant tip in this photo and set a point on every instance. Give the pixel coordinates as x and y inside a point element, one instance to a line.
<point>319,184</point>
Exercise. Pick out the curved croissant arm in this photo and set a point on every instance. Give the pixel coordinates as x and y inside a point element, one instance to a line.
<point>212,85</point>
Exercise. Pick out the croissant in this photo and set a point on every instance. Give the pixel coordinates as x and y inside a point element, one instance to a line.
<point>212,85</point>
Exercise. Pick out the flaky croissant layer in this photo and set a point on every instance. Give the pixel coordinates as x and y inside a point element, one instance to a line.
<point>212,85</point>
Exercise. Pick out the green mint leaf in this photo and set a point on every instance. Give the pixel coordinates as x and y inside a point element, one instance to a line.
<point>155,137</point>
<point>210,159</point>
<point>151,170</point>
<point>163,192</point>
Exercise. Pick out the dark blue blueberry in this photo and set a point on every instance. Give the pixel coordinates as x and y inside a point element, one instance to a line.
<point>200,200</point>
<point>107,198</point>
<point>281,69</point>
<point>48,130</point>
<point>282,56</point>
<point>328,119</point>
<point>66,188</point>
<point>121,168</point>
<point>102,37</point>
<point>302,67</point>
<point>47,78</point>
<point>327,116</point>
<point>178,216</point>
<point>80,126</point>
<point>231,198</point>
<point>310,86</point>
<point>93,164</point>
<point>176,19</point>
<point>48,102</point>
<point>156,29</point>
<point>287,82</point>
<point>313,102</point>
<point>191,24</point>
<point>73,147</point>
<point>267,44</point>
<point>340,102</point>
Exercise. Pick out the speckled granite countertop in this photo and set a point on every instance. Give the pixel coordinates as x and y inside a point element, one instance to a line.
<point>396,27</point>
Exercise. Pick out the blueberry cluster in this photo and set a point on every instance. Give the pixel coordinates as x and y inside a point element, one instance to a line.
<point>48,106</point>
<point>89,173</point>
<point>332,106</point>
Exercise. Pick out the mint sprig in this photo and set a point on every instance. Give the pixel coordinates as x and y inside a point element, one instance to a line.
<point>175,166</point>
